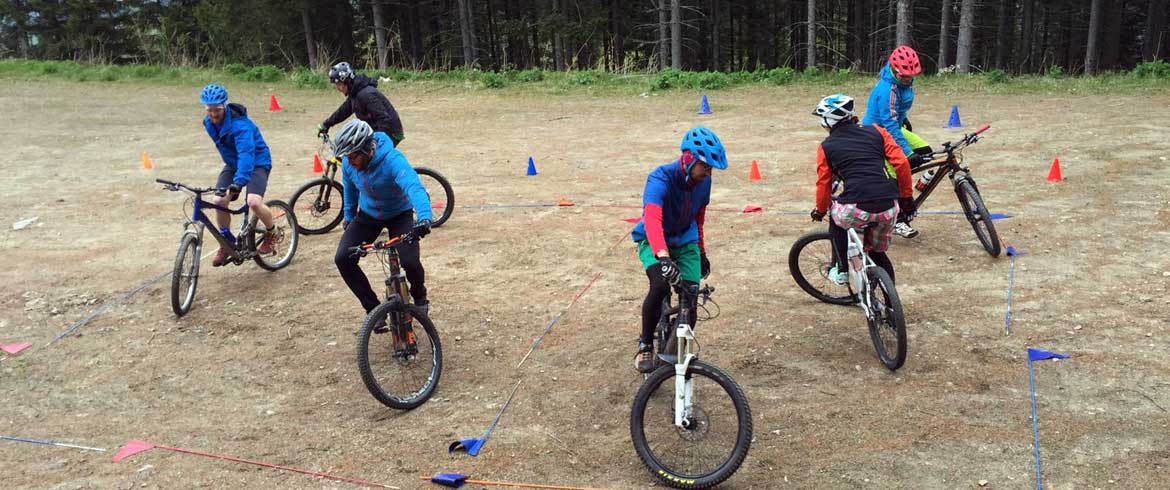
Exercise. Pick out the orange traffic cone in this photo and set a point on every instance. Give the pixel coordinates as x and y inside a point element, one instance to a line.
<point>317,167</point>
<point>146,163</point>
<point>565,202</point>
<point>273,106</point>
<point>1054,171</point>
<point>755,174</point>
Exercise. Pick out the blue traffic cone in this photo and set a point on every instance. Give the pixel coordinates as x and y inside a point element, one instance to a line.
<point>954,123</point>
<point>531,168</point>
<point>704,107</point>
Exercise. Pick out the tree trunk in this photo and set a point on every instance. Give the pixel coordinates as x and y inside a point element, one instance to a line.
<point>380,34</point>
<point>811,35</point>
<point>903,29</point>
<point>1155,24</point>
<point>1027,29</point>
<point>619,35</point>
<point>1111,36</point>
<point>675,34</point>
<point>1093,45</point>
<point>715,21</point>
<point>1003,38</point>
<point>966,34</point>
<point>944,36</point>
<point>310,44</point>
<point>465,31</point>
<point>558,43</point>
<point>663,37</point>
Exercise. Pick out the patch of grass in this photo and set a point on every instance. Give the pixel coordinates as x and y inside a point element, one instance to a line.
<point>493,80</point>
<point>305,78</point>
<point>263,73</point>
<point>1154,69</point>
<point>995,76</point>
<point>587,77</point>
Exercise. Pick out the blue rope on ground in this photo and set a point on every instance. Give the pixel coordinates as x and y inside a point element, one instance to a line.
<point>49,443</point>
<point>105,307</point>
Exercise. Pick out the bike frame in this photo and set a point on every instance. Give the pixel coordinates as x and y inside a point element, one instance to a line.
<point>201,221</point>
<point>951,165</point>
<point>684,387</point>
<point>858,280</point>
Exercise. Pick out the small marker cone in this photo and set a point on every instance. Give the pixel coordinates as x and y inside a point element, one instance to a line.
<point>317,167</point>
<point>755,173</point>
<point>954,122</point>
<point>704,107</point>
<point>531,168</point>
<point>273,106</point>
<point>565,202</point>
<point>1054,171</point>
<point>146,163</point>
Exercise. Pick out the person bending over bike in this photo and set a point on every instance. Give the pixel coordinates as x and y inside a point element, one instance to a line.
<point>382,191</point>
<point>670,234</point>
<point>876,175</point>
<point>889,107</point>
<point>247,163</point>
<point>364,101</point>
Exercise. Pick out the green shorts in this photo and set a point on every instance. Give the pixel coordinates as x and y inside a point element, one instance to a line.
<point>915,141</point>
<point>686,256</point>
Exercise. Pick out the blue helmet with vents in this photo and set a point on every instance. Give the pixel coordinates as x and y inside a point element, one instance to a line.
<point>213,94</point>
<point>705,147</point>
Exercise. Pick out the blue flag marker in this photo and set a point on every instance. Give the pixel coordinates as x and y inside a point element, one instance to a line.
<point>472,446</point>
<point>1037,355</point>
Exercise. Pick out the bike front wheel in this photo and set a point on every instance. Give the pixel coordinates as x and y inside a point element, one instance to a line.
<point>710,446</point>
<point>318,204</point>
<point>978,216</point>
<point>441,195</point>
<point>283,240</point>
<point>185,276</point>
<point>887,325</point>
<point>809,261</point>
<point>400,364</point>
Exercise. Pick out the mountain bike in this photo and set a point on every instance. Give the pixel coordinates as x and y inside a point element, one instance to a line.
<point>243,245</point>
<point>321,200</point>
<point>966,190</point>
<point>870,286</point>
<point>399,367</point>
<point>690,422</point>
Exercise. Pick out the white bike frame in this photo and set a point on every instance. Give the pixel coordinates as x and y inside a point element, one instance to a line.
<point>858,280</point>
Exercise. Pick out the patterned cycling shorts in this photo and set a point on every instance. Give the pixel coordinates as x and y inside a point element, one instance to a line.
<point>878,237</point>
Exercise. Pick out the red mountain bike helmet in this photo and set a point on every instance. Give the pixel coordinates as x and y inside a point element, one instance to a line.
<point>904,61</point>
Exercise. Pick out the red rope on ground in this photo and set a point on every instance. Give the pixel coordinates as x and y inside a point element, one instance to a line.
<point>277,467</point>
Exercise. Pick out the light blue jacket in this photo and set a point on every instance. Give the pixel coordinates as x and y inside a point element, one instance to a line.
<point>388,186</point>
<point>239,143</point>
<point>889,104</point>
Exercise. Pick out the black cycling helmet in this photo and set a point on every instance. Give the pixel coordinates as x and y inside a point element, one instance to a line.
<point>340,72</point>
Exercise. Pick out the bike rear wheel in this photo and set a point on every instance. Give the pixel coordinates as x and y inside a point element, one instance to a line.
<point>809,261</point>
<point>442,202</point>
<point>887,325</point>
<point>399,375</point>
<point>978,216</point>
<point>714,442</point>
<point>185,276</point>
<point>318,204</point>
<point>284,241</point>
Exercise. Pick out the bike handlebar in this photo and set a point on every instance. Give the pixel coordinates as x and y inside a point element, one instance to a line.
<point>364,249</point>
<point>949,148</point>
<point>175,186</point>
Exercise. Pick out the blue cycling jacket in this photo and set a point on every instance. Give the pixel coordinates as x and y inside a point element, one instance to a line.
<point>388,186</point>
<point>679,204</point>
<point>239,143</point>
<point>889,104</point>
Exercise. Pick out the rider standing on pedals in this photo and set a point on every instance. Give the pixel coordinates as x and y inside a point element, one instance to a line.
<point>670,234</point>
<point>876,176</point>
<point>364,101</point>
<point>246,164</point>
<point>889,107</point>
<point>382,191</point>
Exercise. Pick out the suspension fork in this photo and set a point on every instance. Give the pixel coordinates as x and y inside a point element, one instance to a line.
<point>684,386</point>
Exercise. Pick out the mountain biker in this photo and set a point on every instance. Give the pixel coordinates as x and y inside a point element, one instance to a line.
<point>889,105</point>
<point>670,234</point>
<point>247,163</point>
<point>364,101</point>
<point>876,175</point>
<point>382,191</point>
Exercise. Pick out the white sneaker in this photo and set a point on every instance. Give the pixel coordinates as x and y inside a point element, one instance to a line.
<point>838,277</point>
<point>904,230</point>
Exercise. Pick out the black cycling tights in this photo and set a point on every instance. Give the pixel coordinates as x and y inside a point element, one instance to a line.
<point>652,305</point>
<point>840,246</point>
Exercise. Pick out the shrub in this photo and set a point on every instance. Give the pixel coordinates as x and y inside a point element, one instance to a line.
<point>712,80</point>
<point>263,73</point>
<point>780,76</point>
<point>493,80</point>
<point>304,78</point>
<point>146,71</point>
<point>582,78</point>
<point>235,69</point>
<point>1154,69</point>
<point>995,76</point>
<point>667,79</point>
<point>1055,71</point>
<point>811,73</point>
<point>530,75</point>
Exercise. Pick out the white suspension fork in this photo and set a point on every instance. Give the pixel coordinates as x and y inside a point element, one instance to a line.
<point>684,389</point>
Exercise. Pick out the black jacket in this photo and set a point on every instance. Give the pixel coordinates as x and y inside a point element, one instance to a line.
<point>867,160</point>
<point>367,103</point>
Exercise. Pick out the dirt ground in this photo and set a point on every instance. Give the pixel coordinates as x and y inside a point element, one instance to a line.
<point>263,367</point>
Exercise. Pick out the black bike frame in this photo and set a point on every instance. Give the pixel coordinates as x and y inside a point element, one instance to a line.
<point>950,166</point>
<point>197,216</point>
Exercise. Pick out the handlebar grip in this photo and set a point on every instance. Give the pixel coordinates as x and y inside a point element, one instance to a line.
<point>982,129</point>
<point>164,181</point>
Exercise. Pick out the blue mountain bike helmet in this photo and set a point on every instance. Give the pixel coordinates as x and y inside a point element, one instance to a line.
<point>213,94</point>
<point>705,147</point>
